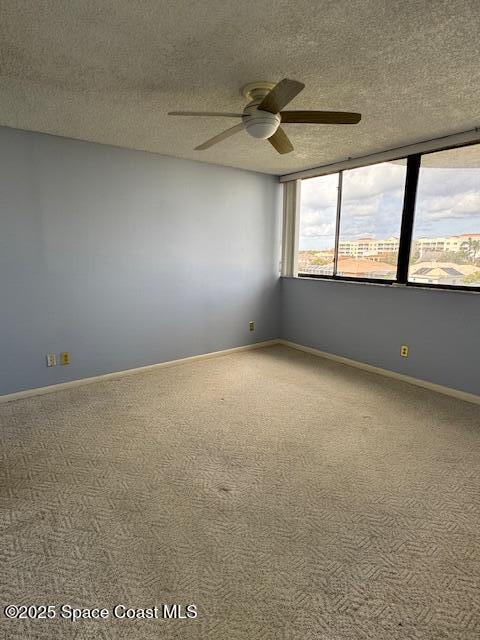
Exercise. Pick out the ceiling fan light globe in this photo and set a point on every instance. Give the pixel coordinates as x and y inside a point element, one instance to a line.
<point>260,124</point>
<point>261,130</point>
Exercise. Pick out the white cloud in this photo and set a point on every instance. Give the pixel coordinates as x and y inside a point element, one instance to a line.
<point>459,205</point>
<point>318,193</point>
<point>319,231</point>
<point>361,208</point>
<point>376,180</point>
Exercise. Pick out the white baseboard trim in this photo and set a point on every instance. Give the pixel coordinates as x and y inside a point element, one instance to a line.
<point>39,391</point>
<point>432,386</point>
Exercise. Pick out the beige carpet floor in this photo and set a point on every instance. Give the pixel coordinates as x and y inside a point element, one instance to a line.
<point>288,497</point>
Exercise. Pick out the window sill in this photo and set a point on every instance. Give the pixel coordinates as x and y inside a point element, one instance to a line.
<point>389,285</point>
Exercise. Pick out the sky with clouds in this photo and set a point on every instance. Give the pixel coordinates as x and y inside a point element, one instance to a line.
<point>448,203</point>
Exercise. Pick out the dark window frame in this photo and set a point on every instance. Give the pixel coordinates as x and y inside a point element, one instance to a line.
<point>414,163</point>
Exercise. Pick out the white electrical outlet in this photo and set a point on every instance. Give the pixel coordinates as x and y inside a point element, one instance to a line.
<point>51,359</point>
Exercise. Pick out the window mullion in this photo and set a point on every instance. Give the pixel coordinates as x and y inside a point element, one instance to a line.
<point>337,225</point>
<point>411,181</point>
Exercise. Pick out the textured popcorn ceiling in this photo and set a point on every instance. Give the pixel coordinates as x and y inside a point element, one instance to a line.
<point>108,71</point>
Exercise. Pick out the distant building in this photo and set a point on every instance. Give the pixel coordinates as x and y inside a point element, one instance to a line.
<point>354,268</point>
<point>368,246</point>
<point>447,244</point>
<point>367,258</point>
<point>448,273</point>
<point>365,268</point>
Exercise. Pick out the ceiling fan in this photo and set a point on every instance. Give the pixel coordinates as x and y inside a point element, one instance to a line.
<point>263,115</point>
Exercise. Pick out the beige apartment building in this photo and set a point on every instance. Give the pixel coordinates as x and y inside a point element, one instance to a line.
<point>367,247</point>
<point>363,247</point>
<point>452,244</point>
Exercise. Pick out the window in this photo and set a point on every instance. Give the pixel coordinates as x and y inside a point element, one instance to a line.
<point>318,214</point>
<point>415,221</point>
<point>446,235</point>
<point>370,220</point>
<point>350,222</point>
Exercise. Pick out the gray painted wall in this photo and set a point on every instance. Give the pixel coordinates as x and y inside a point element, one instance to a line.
<point>368,323</point>
<point>127,258</point>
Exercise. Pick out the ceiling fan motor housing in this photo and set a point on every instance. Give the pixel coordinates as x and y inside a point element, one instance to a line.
<point>258,123</point>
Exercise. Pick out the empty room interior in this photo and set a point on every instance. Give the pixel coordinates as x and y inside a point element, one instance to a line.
<point>240,320</point>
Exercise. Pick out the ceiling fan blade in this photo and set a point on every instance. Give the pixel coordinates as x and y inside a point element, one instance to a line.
<point>281,94</point>
<point>321,117</point>
<point>221,136</point>
<point>280,141</point>
<point>204,113</point>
